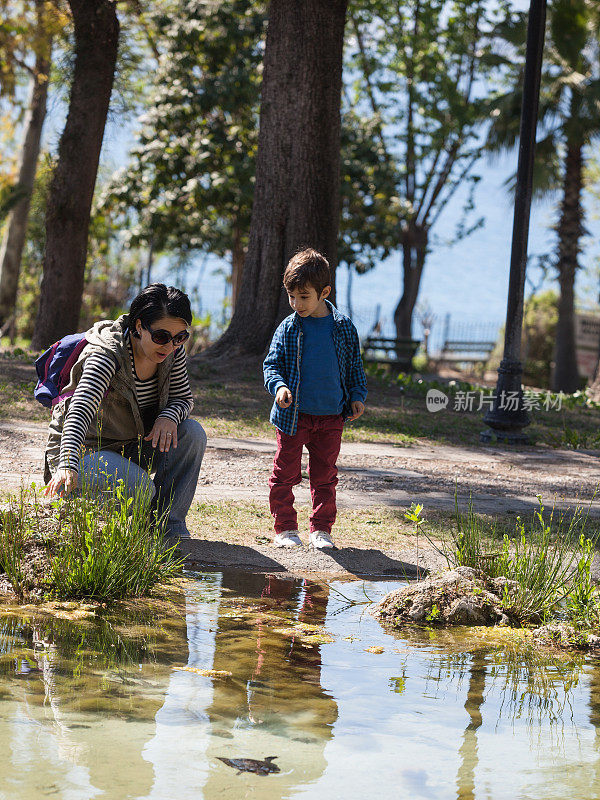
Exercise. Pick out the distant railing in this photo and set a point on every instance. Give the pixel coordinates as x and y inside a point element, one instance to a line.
<point>470,332</point>
<point>370,322</point>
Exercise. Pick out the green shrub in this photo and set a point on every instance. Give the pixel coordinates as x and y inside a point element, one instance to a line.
<point>14,530</point>
<point>112,546</point>
<point>550,560</point>
<point>540,317</point>
<point>539,332</point>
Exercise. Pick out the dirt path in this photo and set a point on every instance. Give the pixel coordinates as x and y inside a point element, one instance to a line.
<point>371,474</point>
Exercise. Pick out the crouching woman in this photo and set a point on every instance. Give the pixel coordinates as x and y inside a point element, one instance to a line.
<point>125,411</point>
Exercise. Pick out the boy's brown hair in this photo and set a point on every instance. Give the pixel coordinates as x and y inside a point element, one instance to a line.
<point>307,268</point>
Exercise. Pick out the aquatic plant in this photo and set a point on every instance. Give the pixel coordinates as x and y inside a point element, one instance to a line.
<point>111,546</point>
<point>14,530</point>
<point>414,515</point>
<point>550,559</point>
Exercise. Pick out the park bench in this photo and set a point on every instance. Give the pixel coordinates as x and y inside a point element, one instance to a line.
<point>459,351</point>
<point>396,353</point>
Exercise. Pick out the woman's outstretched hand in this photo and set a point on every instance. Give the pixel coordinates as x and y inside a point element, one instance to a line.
<point>163,434</point>
<point>63,482</point>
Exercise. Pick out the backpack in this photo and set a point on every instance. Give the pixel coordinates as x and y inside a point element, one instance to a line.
<point>53,369</point>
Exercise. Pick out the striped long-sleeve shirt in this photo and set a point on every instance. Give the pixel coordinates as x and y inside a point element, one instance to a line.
<point>95,378</point>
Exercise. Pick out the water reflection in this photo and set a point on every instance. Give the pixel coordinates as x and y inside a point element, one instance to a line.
<point>465,779</point>
<point>70,695</point>
<point>276,701</point>
<point>103,708</point>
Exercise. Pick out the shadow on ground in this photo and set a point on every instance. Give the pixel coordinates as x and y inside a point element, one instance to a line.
<point>207,554</point>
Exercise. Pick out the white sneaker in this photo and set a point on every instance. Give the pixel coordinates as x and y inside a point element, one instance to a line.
<point>321,540</point>
<point>287,539</point>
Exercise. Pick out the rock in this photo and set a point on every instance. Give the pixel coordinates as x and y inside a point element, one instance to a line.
<point>566,637</point>
<point>503,584</point>
<point>461,596</point>
<point>466,572</point>
<point>471,611</point>
<point>556,633</point>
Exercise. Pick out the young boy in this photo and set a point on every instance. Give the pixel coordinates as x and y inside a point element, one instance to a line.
<point>315,372</point>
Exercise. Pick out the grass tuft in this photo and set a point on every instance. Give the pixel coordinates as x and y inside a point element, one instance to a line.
<point>14,531</point>
<point>112,546</point>
<point>549,558</point>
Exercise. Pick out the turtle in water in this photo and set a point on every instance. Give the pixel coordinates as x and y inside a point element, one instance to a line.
<point>251,765</point>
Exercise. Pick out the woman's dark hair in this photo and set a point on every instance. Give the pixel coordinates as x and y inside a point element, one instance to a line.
<point>157,301</point>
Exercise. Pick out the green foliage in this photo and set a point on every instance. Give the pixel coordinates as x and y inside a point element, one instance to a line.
<point>576,439</point>
<point>111,271</point>
<point>26,27</point>
<point>371,210</point>
<point>540,317</point>
<point>190,181</point>
<point>569,109</point>
<point>415,65</point>
<point>14,530</point>
<point>539,330</point>
<point>30,275</point>
<point>434,614</point>
<point>9,197</point>
<point>414,515</point>
<point>583,601</point>
<point>550,560</point>
<point>112,546</point>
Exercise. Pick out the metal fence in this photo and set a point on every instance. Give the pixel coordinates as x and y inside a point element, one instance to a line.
<point>446,327</point>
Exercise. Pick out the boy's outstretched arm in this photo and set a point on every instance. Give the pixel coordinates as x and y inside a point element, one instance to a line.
<point>357,380</point>
<point>274,372</point>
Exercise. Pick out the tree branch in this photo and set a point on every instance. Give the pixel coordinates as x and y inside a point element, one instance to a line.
<point>370,91</point>
<point>470,164</point>
<point>411,168</point>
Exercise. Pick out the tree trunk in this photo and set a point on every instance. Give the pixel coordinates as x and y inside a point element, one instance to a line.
<point>149,263</point>
<point>16,227</point>
<point>70,198</point>
<point>349,306</point>
<point>238,254</point>
<point>296,196</point>
<point>414,252</point>
<point>570,231</point>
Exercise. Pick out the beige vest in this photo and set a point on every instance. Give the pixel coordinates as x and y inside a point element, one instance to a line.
<point>118,421</point>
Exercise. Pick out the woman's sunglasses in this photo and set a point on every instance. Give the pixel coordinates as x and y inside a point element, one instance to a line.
<point>160,336</point>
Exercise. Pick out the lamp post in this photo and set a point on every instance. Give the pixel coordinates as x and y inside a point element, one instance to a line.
<point>507,418</point>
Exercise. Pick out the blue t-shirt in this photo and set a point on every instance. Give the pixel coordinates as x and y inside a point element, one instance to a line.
<point>320,384</point>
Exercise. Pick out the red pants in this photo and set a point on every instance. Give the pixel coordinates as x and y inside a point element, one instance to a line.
<point>322,436</point>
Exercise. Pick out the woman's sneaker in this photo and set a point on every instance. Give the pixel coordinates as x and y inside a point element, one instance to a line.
<point>321,540</point>
<point>287,539</point>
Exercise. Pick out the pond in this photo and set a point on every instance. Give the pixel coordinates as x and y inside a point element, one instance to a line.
<point>119,708</point>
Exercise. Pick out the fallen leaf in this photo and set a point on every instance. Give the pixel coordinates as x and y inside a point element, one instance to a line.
<point>374,649</point>
<point>206,673</point>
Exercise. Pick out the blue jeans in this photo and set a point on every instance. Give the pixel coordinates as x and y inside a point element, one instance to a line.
<point>175,478</point>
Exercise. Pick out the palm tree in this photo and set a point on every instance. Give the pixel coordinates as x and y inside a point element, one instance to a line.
<point>568,122</point>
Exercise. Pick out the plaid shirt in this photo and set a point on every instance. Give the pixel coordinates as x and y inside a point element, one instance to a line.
<point>282,366</point>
